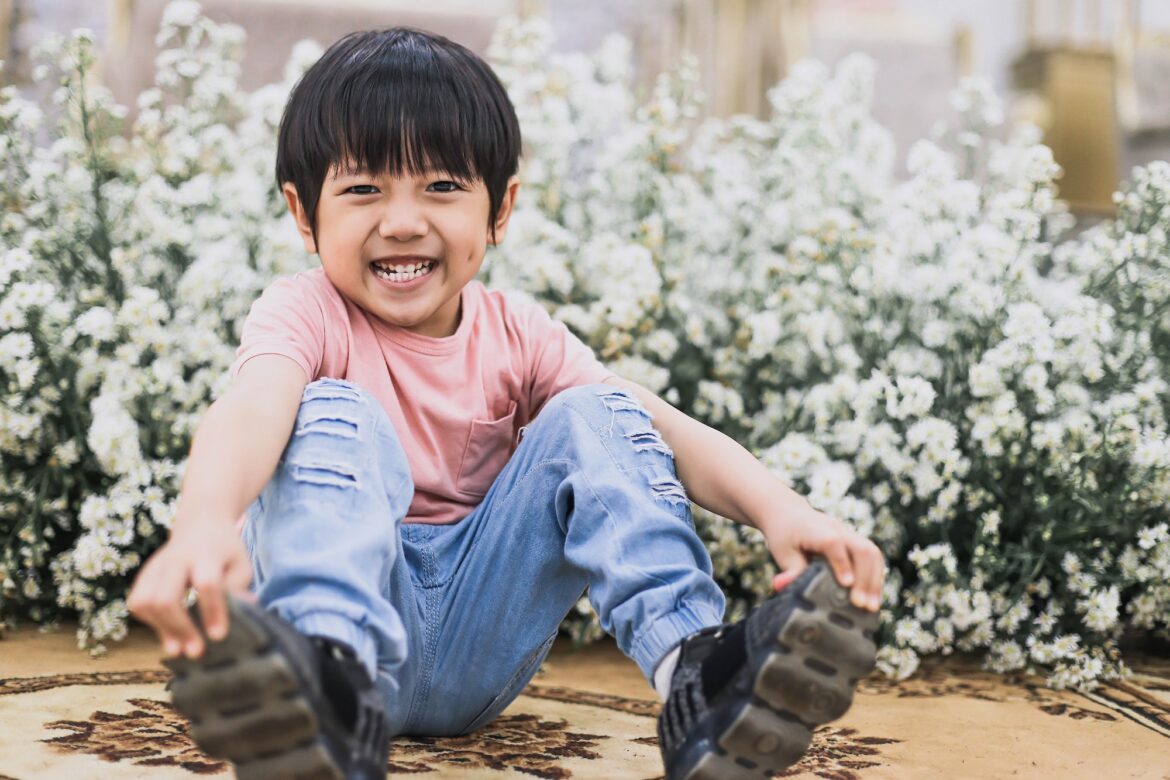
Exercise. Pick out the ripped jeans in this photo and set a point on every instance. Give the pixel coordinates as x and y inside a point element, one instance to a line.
<point>455,619</point>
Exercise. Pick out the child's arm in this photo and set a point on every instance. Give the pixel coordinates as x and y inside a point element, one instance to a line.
<point>723,477</point>
<point>234,453</point>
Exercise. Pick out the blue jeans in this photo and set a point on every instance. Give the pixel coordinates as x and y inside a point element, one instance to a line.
<point>453,620</point>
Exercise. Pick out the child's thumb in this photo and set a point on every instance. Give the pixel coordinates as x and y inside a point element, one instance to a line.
<point>783,580</point>
<point>792,566</point>
<point>238,578</point>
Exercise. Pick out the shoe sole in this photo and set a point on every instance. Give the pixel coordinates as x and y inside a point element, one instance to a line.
<point>247,705</point>
<point>804,675</point>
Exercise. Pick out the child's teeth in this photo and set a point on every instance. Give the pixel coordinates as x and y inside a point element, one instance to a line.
<point>403,273</point>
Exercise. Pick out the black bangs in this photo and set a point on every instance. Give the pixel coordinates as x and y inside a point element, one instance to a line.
<point>400,101</point>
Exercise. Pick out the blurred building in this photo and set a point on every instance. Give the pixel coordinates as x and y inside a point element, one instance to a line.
<point>1094,74</point>
<point>1098,81</point>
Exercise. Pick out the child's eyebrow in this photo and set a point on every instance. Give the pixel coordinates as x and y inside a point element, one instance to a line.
<point>341,172</point>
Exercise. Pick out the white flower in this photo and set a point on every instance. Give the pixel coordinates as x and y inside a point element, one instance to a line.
<point>14,261</point>
<point>913,397</point>
<point>97,323</point>
<point>985,380</point>
<point>925,557</point>
<point>795,455</point>
<point>14,348</point>
<point>896,663</point>
<point>1149,538</point>
<point>766,330</point>
<point>1011,620</point>
<point>110,622</point>
<point>94,558</point>
<point>936,437</point>
<point>67,453</point>
<point>926,480</point>
<point>1035,378</point>
<point>1143,610</point>
<point>828,484</point>
<point>114,435</point>
<point>935,333</point>
<point>1006,657</point>
<point>181,13</point>
<point>663,343</point>
<point>1081,582</point>
<point>718,401</point>
<point>991,521</point>
<point>1101,608</point>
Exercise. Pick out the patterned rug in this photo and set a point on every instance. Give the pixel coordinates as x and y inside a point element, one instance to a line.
<point>952,719</point>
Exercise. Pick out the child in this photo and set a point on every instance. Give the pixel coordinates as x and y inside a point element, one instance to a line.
<point>430,474</point>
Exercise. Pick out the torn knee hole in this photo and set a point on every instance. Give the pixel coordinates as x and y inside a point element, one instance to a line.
<point>649,440</point>
<point>331,389</point>
<point>328,474</point>
<point>669,489</point>
<point>330,425</point>
<point>621,401</point>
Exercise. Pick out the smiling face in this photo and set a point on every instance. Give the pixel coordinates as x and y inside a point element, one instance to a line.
<point>397,153</point>
<point>402,247</point>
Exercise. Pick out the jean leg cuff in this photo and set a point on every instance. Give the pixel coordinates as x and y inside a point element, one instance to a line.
<point>340,628</point>
<point>664,634</point>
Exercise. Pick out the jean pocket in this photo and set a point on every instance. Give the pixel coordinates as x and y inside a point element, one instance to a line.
<point>489,445</point>
<point>515,685</point>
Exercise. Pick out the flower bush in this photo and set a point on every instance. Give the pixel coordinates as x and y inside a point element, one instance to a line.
<point>932,359</point>
<point>919,357</point>
<point>126,267</point>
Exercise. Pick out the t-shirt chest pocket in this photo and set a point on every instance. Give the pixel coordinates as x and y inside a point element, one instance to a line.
<point>489,443</point>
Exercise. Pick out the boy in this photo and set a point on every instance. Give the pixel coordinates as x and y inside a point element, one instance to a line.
<point>432,474</point>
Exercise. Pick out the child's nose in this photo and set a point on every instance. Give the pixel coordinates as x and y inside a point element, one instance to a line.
<point>403,221</point>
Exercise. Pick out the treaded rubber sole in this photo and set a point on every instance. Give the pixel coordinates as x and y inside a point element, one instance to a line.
<point>248,706</point>
<point>803,675</point>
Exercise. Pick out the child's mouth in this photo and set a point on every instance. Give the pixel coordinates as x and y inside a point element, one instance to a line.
<point>400,273</point>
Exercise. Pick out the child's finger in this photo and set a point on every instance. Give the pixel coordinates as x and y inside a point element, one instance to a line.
<point>167,612</point>
<point>870,572</point>
<point>208,583</point>
<point>239,579</point>
<point>238,576</point>
<point>836,553</point>
<point>142,606</point>
<point>784,579</point>
<point>791,562</point>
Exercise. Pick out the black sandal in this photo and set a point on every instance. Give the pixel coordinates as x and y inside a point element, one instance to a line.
<point>269,700</point>
<point>792,664</point>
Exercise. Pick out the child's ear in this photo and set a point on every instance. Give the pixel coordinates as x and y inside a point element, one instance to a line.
<point>506,205</point>
<point>297,209</point>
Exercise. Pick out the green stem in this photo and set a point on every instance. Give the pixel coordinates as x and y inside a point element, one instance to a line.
<point>42,487</point>
<point>100,240</point>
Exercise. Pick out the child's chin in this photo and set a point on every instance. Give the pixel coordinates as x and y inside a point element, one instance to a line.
<point>408,321</point>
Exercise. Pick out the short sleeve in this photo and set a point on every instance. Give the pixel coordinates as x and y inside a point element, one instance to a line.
<point>560,359</point>
<point>287,319</point>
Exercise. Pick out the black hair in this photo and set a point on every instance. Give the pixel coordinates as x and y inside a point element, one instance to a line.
<point>398,100</point>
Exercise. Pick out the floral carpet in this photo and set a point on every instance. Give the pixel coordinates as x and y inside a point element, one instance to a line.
<point>590,715</point>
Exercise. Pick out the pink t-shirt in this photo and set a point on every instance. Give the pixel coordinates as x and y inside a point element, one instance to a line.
<point>457,403</point>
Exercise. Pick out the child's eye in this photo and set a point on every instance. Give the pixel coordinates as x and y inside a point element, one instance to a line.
<point>444,186</point>
<point>356,187</point>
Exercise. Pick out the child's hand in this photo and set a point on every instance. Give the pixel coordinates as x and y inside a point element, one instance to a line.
<point>213,561</point>
<point>855,560</point>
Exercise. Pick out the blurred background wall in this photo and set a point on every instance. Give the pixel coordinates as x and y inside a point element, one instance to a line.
<point>1094,74</point>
